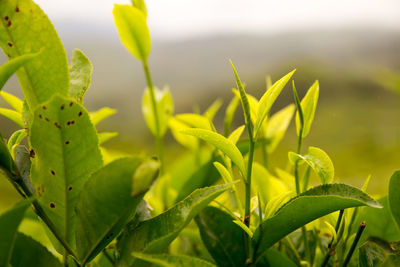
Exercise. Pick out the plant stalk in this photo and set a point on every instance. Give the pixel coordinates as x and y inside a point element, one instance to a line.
<point>355,242</point>
<point>158,138</point>
<point>328,254</point>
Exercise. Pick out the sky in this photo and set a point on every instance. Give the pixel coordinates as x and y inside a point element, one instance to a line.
<point>175,19</point>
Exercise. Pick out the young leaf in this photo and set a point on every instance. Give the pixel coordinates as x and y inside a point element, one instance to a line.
<point>28,252</point>
<point>222,237</point>
<point>308,106</point>
<point>121,185</point>
<point>6,160</point>
<point>319,161</point>
<point>277,126</point>
<point>268,99</point>
<point>101,114</point>
<point>12,115</point>
<point>236,134</point>
<point>81,73</point>
<point>230,114</point>
<point>10,67</point>
<point>394,196</point>
<point>166,260</point>
<point>16,139</point>
<point>165,109</point>
<point>141,5</point>
<point>66,148</point>
<point>133,31</point>
<point>194,120</point>
<point>305,208</point>
<point>27,30</point>
<point>9,222</point>
<point>243,98</point>
<point>154,235</point>
<point>222,143</point>
<point>106,136</point>
<point>213,109</point>
<point>187,141</point>
<point>16,103</point>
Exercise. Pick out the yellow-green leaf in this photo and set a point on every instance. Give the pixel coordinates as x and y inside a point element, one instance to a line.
<point>16,103</point>
<point>308,106</point>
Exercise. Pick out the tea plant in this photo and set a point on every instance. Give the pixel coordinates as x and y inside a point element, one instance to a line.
<point>101,210</point>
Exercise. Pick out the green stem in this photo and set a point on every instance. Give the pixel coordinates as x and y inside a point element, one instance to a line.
<point>330,249</point>
<point>158,137</point>
<point>354,245</point>
<point>247,211</point>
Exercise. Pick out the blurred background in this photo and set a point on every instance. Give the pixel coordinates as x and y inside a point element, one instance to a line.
<point>352,47</point>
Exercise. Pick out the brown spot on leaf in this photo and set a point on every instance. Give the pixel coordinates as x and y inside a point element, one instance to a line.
<point>47,119</point>
<point>69,188</point>
<point>9,23</point>
<point>62,106</point>
<point>57,125</point>
<point>52,205</point>
<point>70,104</point>
<point>53,173</point>
<point>80,113</point>
<point>67,142</point>
<point>6,17</point>
<point>10,44</point>
<point>32,153</point>
<point>40,116</point>
<point>17,9</point>
<point>44,107</point>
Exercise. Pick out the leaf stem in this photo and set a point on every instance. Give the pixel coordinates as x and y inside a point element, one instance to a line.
<point>330,249</point>
<point>355,242</point>
<point>158,137</point>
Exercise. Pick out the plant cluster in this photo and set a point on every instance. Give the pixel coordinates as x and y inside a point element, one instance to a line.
<point>99,209</point>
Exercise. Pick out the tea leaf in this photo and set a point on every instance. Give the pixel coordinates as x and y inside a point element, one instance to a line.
<point>28,30</point>
<point>6,160</point>
<point>111,189</point>
<point>165,109</point>
<point>81,70</point>
<point>268,99</point>
<point>394,196</point>
<point>16,138</point>
<point>277,126</point>
<point>106,136</point>
<point>141,5</point>
<point>67,152</point>
<point>305,208</point>
<point>274,257</point>
<point>319,161</point>
<point>16,103</point>
<point>222,143</point>
<point>236,134</point>
<point>230,114</point>
<point>154,235</point>
<point>9,222</point>
<point>11,66</point>
<point>101,114</point>
<point>222,237</point>
<point>308,106</point>
<point>194,120</point>
<point>187,141</point>
<point>28,252</point>
<point>213,109</point>
<point>378,252</point>
<point>167,260</point>
<point>133,31</point>
<point>12,115</point>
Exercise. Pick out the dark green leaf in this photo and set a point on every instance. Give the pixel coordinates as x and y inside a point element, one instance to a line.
<point>6,161</point>
<point>81,74</point>
<point>28,30</point>
<point>118,189</point>
<point>154,235</point>
<point>274,258</point>
<point>166,260</point>
<point>28,252</point>
<point>394,196</point>
<point>308,206</point>
<point>378,252</point>
<point>224,239</point>
<point>9,222</point>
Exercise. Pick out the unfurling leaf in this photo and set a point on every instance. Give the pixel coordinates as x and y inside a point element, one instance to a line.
<point>308,106</point>
<point>81,70</point>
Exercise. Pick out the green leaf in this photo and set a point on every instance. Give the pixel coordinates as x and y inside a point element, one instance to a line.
<point>277,126</point>
<point>28,30</point>
<point>12,115</point>
<point>6,160</point>
<point>154,235</point>
<point>141,5</point>
<point>378,252</point>
<point>165,109</point>
<point>224,239</point>
<point>308,106</point>
<point>133,31</point>
<point>319,161</point>
<point>28,252</point>
<point>194,120</point>
<point>16,103</point>
<point>67,152</point>
<point>11,66</point>
<point>81,70</point>
<point>394,196</point>
<point>213,109</point>
<point>230,114</point>
<point>236,134</point>
<point>243,98</point>
<point>101,114</point>
<point>308,206</point>
<point>118,189</point>
<point>222,143</point>
<point>15,139</point>
<point>187,141</point>
<point>166,260</point>
<point>268,99</point>
<point>274,257</point>
<point>106,136</point>
<point>9,222</point>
